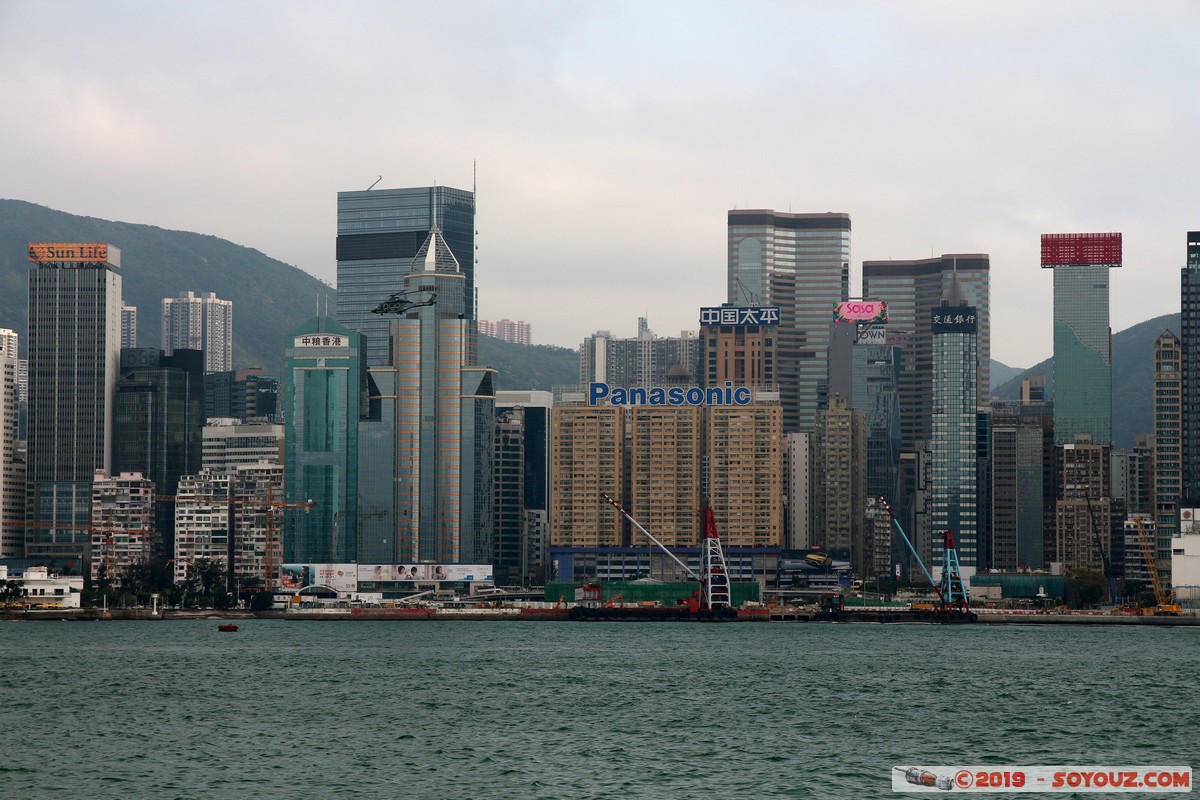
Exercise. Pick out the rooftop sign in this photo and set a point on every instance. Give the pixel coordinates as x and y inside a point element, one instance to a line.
<point>1081,249</point>
<point>727,395</point>
<point>87,252</point>
<point>872,312</point>
<point>739,315</point>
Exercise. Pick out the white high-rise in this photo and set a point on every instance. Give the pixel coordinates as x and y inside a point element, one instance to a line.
<point>199,322</point>
<point>12,470</point>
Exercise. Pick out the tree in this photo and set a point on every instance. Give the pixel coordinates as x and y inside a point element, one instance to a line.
<point>11,592</point>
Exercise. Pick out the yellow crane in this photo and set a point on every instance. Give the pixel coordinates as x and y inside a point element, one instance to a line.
<point>1165,601</point>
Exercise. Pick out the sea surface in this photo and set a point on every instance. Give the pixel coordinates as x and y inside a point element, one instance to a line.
<point>532,710</point>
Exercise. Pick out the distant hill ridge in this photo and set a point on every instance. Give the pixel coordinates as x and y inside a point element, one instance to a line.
<point>270,298</point>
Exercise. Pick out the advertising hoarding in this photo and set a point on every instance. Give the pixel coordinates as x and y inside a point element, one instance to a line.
<point>339,577</point>
<point>391,573</point>
<point>739,315</point>
<point>870,312</point>
<point>65,252</point>
<point>727,395</point>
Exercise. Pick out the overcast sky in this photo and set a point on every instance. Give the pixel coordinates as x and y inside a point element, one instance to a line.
<point>611,138</point>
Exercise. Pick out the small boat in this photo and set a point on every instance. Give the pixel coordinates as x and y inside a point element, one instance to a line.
<point>229,628</point>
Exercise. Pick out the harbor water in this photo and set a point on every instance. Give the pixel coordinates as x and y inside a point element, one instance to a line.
<point>531,710</point>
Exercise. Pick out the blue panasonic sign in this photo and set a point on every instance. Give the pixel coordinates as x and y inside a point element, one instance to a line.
<point>727,395</point>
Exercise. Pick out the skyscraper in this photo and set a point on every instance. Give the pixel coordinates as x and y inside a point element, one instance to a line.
<point>1190,343</point>
<point>204,322</point>
<point>12,469</point>
<point>953,486</point>
<point>1082,337</point>
<point>1167,441</point>
<point>323,401</point>
<point>438,410</point>
<point>158,424</point>
<point>74,355</point>
<point>913,289</point>
<point>378,235</point>
<point>128,326</point>
<point>800,263</point>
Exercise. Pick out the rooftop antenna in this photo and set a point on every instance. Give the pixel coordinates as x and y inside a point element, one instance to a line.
<point>377,180</point>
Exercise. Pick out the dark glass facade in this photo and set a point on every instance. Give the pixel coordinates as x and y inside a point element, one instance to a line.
<point>159,426</point>
<point>378,235</point>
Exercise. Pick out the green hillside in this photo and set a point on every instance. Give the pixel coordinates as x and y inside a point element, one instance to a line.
<point>1132,378</point>
<point>529,366</point>
<point>270,298</point>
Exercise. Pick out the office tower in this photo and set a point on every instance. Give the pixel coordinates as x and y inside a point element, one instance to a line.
<point>739,344</point>
<point>229,443</point>
<point>953,443</point>
<point>241,394</point>
<point>643,361</point>
<point>199,322</point>
<point>379,233</point>
<point>507,330</point>
<point>876,380</point>
<point>123,527</point>
<point>1082,338</point>
<point>1083,524</point>
<point>128,326</point>
<point>586,459</point>
<point>742,471</point>
<point>664,461</point>
<point>1022,484</point>
<point>1190,343</point>
<point>800,263</point>
<point>439,411</point>
<point>522,490</point>
<point>324,390</point>
<point>1168,437</point>
<point>913,289</point>
<point>158,421</point>
<point>797,481</point>
<point>508,516</point>
<point>74,356</point>
<point>12,466</point>
<point>839,474</point>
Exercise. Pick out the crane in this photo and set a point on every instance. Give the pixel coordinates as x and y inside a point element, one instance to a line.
<point>1112,589</point>
<point>1166,604</point>
<point>953,599</point>
<point>714,596</point>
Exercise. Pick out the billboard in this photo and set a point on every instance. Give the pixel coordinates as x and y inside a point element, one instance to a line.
<point>874,335</point>
<point>339,577</point>
<point>870,312</point>
<point>320,340</point>
<point>1081,249</point>
<point>391,573</point>
<point>953,319</point>
<point>728,395</point>
<point>87,252</point>
<point>739,315</point>
<point>1187,520</point>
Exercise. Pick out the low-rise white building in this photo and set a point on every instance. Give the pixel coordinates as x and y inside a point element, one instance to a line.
<point>43,590</point>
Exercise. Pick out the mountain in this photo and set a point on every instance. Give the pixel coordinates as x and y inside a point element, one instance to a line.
<point>270,298</point>
<point>524,366</point>
<point>1002,374</point>
<point>1132,378</point>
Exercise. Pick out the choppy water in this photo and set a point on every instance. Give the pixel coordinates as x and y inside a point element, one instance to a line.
<point>563,710</point>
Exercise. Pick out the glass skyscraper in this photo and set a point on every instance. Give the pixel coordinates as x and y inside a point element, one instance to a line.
<point>324,398</point>
<point>74,355</point>
<point>1082,337</point>
<point>801,263</point>
<point>378,235</point>
<point>953,486</point>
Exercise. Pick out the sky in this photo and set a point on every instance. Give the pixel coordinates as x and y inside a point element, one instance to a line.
<point>608,140</point>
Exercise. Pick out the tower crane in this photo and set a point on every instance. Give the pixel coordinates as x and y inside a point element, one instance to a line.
<point>953,599</point>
